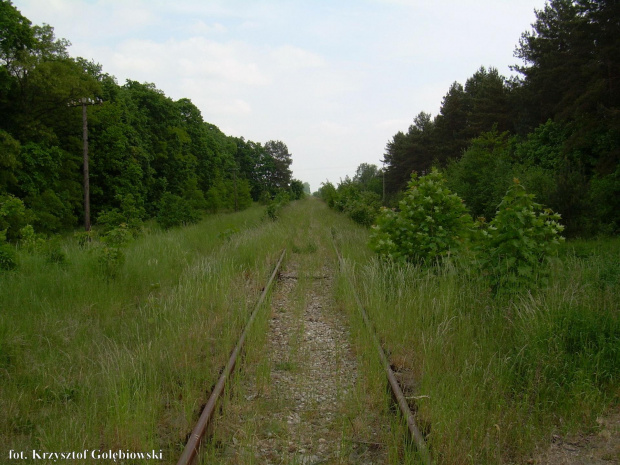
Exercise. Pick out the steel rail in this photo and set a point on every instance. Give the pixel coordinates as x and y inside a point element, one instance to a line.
<point>417,436</point>
<point>193,443</point>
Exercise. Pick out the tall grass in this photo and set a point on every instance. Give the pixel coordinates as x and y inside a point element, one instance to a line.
<point>90,362</point>
<point>498,376</point>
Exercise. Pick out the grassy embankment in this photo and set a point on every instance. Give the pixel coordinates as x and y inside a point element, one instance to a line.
<point>88,362</point>
<point>498,376</point>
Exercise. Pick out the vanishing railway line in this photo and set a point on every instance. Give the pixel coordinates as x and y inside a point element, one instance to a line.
<point>205,423</point>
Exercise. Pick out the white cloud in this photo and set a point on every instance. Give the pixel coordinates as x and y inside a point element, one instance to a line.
<point>293,58</point>
<point>201,28</point>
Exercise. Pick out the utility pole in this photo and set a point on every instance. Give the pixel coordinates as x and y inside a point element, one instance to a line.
<point>84,102</point>
<point>383,200</point>
<point>235,181</point>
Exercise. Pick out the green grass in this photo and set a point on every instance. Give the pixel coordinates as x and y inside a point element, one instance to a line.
<point>92,362</point>
<point>497,376</point>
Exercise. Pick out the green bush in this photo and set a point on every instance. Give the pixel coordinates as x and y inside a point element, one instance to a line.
<point>432,223</point>
<point>130,215</point>
<point>8,257</point>
<point>13,216</point>
<point>110,260</point>
<point>516,245</point>
<point>175,211</point>
<point>29,240</point>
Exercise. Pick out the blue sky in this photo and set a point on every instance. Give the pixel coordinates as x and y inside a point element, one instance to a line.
<point>334,80</point>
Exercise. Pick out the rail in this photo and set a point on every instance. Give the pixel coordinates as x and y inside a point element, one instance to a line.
<point>417,436</point>
<point>193,443</point>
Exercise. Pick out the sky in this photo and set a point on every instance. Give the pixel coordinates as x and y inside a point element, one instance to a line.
<point>334,80</point>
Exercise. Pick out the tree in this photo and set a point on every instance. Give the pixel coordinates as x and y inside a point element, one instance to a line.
<point>297,189</point>
<point>482,175</point>
<point>572,58</point>
<point>408,153</point>
<point>280,176</point>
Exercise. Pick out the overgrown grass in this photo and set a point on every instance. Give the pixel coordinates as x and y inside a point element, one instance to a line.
<point>89,362</point>
<point>498,375</point>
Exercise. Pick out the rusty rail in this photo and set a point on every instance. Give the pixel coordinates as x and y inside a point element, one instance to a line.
<point>193,443</point>
<point>417,436</point>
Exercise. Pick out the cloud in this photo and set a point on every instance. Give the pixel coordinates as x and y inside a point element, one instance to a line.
<point>197,58</point>
<point>294,58</point>
<point>199,27</point>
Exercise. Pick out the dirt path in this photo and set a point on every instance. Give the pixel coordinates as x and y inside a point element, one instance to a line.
<point>302,404</point>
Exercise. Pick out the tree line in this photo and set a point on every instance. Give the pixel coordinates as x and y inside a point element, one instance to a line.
<point>555,126</point>
<point>149,155</point>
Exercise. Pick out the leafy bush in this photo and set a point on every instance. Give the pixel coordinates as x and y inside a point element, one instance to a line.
<point>517,244</point>
<point>29,240</point>
<point>8,257</point>
<point>364,209</point>
<point>328,193</point>
<point>84,238</point>
<point>130,215</point>
<point>281,199</point>
<point>13,216</point>
<point>297,189</point>
<point>110,259</point>
<point>51,212</point>
<point>432,223</point>
<point>175,211</point>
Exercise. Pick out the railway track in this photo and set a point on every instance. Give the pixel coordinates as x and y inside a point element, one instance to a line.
<point>192,447</point>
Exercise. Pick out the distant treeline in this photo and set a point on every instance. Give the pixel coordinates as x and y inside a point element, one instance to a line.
<point>147,151</point>
<point>555,127</point>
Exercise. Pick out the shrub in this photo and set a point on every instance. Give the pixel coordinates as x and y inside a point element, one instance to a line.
<point>519,241</point>
<point>8,257</point>
<point>29,240</point>
<point>175,211</point>
<point>110,260</point>
<point>130,215</point>
<point>432,222</point>
<point>13,216</point>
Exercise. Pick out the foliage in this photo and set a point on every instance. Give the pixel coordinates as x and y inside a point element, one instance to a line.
<point>54,252</point>
<point>297,189</point>
<point>360,197</point>
<point>13,216</point>
<point>143,145</point>
<point>8,256</point>
<point>274,207</point>
<point>110,260</point>
<point>516,246</point>
<point>175,211</point>
<point>29,240</point>
<point>432,223</point>
<point>328,193</point>
<point>482,175</point>
<point>129,215</point>
<point>560,117</point>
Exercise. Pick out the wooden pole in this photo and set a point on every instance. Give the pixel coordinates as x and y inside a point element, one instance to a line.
<point>86,175</point>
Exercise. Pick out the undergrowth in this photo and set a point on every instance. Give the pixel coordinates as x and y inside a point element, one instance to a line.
<point>498,374</point>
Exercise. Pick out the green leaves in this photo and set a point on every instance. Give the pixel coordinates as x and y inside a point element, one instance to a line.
<point>432,223</point>
<point>518,242</point>
<point>511,252</point>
